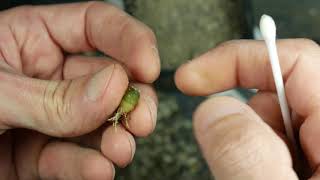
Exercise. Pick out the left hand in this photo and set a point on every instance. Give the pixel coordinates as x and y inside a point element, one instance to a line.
<point>54,104</point>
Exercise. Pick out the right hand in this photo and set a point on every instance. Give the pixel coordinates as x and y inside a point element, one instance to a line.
<point>248,141</point>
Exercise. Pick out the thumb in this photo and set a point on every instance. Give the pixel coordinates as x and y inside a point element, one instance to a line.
<point>237,144</point>
<point>61,108</point>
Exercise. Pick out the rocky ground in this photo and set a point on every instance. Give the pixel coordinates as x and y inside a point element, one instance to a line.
<point>185,28</point>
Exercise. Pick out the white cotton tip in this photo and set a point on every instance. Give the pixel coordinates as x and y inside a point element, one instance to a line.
<point>267,27</point>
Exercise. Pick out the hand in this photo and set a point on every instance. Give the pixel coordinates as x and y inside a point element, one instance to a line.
<point>54,104</point>
<point>248,141</point>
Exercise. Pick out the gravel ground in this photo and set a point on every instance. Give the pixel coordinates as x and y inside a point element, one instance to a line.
<point>186,28</point>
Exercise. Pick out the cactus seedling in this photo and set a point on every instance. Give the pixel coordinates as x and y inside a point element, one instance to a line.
<point>128,103</point>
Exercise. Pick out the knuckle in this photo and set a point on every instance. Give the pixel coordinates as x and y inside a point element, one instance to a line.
<point>308,43</point>
<point>95,6</point>
<point>231,43</point>
<point>233,46</point>
<point>91,5</point>
<point>125,24</point>
<point>25,8</point>
<point>57,106</point>
<point>136,29</point>
<point>304,48</point>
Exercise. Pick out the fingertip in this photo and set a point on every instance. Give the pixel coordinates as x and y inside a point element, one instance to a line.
<point>127,40</point>
<point>64,160</point>
<point>190,81</point>
<point>144,62</point>
<point>148,90</point>
<point>178,78</point>
<point>97,167</point>
<point>152,65</point>
<point>150,52</point>
<point>118,145</point>
<point>143,119</point>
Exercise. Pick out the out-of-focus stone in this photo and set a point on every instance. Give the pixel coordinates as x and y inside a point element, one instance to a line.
<point>186,28</point>
<point>294,18</point>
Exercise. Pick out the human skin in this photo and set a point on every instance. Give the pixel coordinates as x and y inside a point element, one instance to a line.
<point>248,141</point>
<point>54,104</point>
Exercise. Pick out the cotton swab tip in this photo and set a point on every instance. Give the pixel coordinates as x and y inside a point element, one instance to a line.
<point>267,27</point>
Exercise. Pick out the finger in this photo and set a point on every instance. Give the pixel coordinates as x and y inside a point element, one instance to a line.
<point>237,144</point>
<point>302,89</point>
<point>142,120</point>
<point>266,105</point>
<point>316,175</point>
<point>62,160</point>
<point>7,166</point>
<point>241,63</point>
<point>115,143</point>
<point>310,144</point>
<point>97,25</point>
<point>77,66</point>
<point>61,108</point>
<point>118,145</point>
<point>26,152</point>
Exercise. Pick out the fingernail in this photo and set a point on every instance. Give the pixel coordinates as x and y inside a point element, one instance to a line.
<point>152,107</point>
<point>98,83</point>
<point>113,172</point>
<point>133,147</point>
<point>155,51</point>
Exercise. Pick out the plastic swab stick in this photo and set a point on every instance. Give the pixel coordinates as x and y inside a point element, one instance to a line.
<point>268,31</point>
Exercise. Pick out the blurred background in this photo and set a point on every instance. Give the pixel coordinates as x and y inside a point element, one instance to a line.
<point>185,29</point>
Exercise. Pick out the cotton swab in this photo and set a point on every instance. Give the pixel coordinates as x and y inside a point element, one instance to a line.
<point>268,31</point>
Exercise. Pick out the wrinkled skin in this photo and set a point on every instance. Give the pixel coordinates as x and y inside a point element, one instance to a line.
<point>248,141</point>
<point>54,104</point>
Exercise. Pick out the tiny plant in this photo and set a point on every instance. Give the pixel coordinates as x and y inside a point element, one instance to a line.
<point>128,103</point>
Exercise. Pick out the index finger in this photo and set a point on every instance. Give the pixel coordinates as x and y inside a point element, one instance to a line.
<point>239,63</point>
<point>80,27</point>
